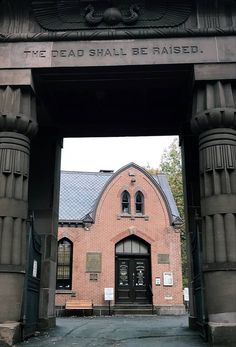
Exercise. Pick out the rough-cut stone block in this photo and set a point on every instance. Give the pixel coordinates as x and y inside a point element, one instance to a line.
<point>10,333</point>
<point>222,334</point>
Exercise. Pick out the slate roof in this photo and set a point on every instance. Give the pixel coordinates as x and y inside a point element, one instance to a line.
<point>164,184</point>
<point>79,192</point>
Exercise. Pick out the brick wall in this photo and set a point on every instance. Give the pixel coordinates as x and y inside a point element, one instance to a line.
<point>111,226</point>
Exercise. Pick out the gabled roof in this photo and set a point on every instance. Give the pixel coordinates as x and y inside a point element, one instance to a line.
<point>80,191</point>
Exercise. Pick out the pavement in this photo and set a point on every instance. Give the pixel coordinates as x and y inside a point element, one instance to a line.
<point>118,331</point>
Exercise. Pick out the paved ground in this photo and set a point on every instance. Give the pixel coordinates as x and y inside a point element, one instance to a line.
<point>120,331</point>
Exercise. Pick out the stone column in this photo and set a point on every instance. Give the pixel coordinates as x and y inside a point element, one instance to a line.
<point>17,126</point>
<point>44,201</point>
<point>214,119</point>
<point>190,162</point>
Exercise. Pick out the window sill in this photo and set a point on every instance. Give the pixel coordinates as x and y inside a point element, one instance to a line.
<point>64,291</point>
<point>133,216</point>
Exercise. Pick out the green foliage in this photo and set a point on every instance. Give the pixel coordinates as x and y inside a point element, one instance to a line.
<point>171,165</point>
<point>152,171</point>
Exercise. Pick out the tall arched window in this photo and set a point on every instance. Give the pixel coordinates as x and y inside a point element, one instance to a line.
<point>139,202</point>
<point>64,264</point>
<point>125,202</point>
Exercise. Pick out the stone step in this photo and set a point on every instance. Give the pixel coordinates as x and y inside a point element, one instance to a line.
<point>132,310</point>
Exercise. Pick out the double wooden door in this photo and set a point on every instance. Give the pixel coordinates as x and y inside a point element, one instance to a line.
<point>133,280</point>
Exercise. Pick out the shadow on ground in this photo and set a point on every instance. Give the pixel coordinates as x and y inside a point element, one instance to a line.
<point>122,331</point>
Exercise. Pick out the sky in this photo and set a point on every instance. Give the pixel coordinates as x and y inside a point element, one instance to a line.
<point>111,153</point>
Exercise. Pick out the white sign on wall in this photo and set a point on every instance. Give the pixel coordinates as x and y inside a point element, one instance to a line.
<point>109,293</point>
<point>186,294</point>
<point>35,269</point>
<point>168,278</point>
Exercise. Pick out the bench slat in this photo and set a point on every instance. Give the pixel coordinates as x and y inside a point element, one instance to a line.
<point>79,305</point>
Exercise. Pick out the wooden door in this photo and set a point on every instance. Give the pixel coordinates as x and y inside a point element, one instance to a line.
<point>133,280</point>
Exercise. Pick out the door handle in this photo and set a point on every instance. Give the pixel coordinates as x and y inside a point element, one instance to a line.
<point>133,278</point>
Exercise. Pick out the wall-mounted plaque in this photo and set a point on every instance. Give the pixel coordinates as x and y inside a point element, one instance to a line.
<point>168,278</point>
<point>93,262</point>
<point>163,258</point>
<point>93,277</point>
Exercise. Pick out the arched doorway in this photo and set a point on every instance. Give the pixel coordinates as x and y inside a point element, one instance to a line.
<point>133,271</point>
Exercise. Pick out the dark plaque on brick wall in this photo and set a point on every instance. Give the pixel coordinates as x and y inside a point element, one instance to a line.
<point>93,262</point>
<point>163,258</point>
<point>93,277</point>
<point>103,14</point>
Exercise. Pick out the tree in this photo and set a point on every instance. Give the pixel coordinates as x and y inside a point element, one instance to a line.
<point>171,165</point>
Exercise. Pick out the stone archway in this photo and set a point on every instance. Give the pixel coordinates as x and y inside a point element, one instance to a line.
<point>175,73</point>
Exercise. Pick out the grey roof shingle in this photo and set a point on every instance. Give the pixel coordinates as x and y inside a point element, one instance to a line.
<point>80,190</point>
<point>78,193</point>
<point>164,184</point>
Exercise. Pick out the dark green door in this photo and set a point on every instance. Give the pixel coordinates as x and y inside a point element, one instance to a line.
<point>32,286</point>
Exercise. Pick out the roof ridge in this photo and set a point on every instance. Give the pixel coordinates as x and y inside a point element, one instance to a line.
<point>87,172</point>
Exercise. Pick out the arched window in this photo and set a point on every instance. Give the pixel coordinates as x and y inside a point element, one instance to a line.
<point>125,202</point>
<point>139,202</point>
<point>64,264</point>
<point>132,245</point>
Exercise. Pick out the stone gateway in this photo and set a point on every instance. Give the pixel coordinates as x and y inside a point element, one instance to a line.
<point>115,69</point>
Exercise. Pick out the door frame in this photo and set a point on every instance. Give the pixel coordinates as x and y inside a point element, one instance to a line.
<point>134,257</point>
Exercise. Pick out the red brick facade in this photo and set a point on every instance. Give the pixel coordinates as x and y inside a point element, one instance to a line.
<point>111,226</point>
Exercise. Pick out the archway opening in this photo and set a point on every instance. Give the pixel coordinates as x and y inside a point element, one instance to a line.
<point>133,271</point>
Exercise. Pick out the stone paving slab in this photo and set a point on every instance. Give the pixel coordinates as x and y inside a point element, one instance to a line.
<point>122,331</point>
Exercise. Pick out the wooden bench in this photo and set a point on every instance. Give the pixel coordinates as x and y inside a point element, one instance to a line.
<point>81,305</point>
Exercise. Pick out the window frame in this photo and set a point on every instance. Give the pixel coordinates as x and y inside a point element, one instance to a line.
<point>64,283</point>
<point>141,203</point>
<point>124,202</point>
<point>121,247</point>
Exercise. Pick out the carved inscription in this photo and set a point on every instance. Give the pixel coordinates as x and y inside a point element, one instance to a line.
<point>115,52</point>
<point>112,52</point>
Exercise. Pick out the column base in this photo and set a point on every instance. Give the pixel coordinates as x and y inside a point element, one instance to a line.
<point>10,333</point>
<point>11,293</point>
<point>192,322</point>
<point>46,323</point>
<point>222,334</point>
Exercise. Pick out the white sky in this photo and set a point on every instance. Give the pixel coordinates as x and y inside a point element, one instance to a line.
<point>111,153</point>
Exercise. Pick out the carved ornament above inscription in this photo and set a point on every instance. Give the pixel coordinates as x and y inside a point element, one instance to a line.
<point>83,14</point>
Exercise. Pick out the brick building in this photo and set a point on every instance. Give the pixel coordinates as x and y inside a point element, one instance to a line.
<point>119,230</point>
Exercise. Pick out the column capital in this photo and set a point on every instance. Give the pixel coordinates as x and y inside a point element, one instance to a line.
<point>18,110</point>
<point>214,106</point>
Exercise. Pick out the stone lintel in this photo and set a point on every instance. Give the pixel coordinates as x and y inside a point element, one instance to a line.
<point>214,72</point>
<point>222,334</point>
<point>195,50</point>
<point>16,77</point>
